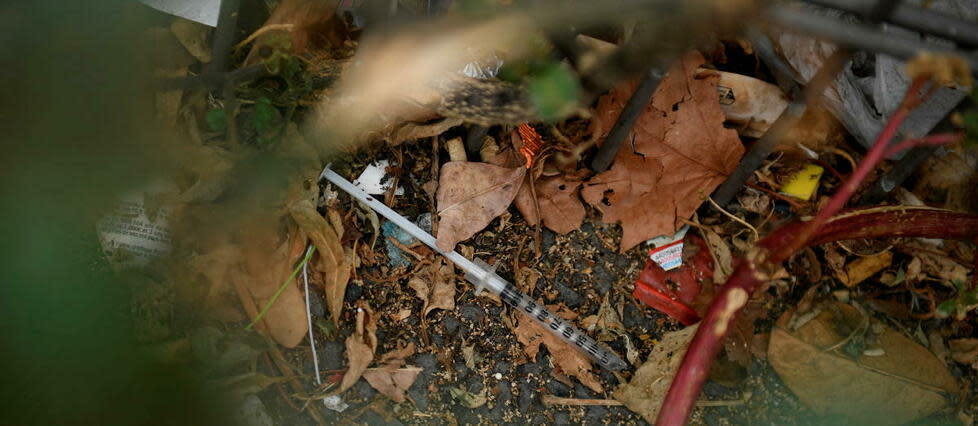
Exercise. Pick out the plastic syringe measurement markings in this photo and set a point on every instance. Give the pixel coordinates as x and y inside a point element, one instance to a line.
<point>483,277</point>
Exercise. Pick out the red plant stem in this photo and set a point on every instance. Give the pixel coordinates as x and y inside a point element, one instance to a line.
<point>760,264</point>
<point>938,139</point>
<point>876,154</point>
<point>877,222</point>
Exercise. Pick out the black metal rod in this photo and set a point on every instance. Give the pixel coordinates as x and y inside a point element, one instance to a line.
<point>626,120</point>
<point>917,18</point>
<point>858,36</point>
<point>227,25</point>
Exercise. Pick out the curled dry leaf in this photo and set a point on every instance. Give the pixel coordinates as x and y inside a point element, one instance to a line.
<point>298,21</point>
<point>470,195</point>
<point>334,263</point>
<point>903,384</point>
<point>860,269</point>
<point>469,399</point>
<point>648,387</point>
<point>360,347</point>
<point>392,382</point>
<point>264,273</point>
<point>560,207</point>
<point>392,378</point>
<point>435,286</point>
<point>679,153</point>
<point>721,255</point>
<point>964,351</point>
<point>607,321</point>
<point>569,360</point>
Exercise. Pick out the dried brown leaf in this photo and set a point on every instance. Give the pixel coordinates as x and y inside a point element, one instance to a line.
<point>560,206</point>
<point>392,382</point>
<point>392,378</point>
<point>334,262</point>
<point>308,21</point>
<point>470,195</point>
<point>435,286</point>
<point>648,387</point>
<point>862,268</point>
<point>409,131</point>
<point>905,383</point>
<point>570,361</point>
<point>676,154</point>
<point>360,347</point>
<point>263,274</point>
<point>964,351</point>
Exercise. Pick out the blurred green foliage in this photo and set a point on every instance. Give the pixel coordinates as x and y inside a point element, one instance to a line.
<point>555,92</point>
<point>964,301</point>
<point>78,131</point>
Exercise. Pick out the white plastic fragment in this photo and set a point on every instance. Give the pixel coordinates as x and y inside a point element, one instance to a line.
<point>202,11</point>
<point>372,179</point>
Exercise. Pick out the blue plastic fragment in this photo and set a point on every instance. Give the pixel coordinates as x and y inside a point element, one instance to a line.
<point>395,254</point>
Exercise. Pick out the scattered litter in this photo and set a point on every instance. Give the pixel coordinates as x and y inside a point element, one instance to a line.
<point>374,181</point>
<point>668,250</point>
<point>484,67</point>
<point>674,292</point>
<point>804,183</point>
<point>482,277</point>
<point>335,403</point>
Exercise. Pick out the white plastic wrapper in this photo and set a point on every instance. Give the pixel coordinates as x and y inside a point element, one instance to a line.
<point>668,249</point>
<point>485,67</point>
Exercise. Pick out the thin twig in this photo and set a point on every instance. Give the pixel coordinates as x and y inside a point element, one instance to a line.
<point>312,340</point>
<point>536,211</point>
<point>263,30</point>
<point>781,197</point>
<point>938,139</point>
<point>735,218</point>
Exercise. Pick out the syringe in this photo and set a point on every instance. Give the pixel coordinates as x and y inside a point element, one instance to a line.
<point>484,277</point>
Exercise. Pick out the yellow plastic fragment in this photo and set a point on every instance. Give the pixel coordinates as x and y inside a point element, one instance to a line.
<point>803,183</point>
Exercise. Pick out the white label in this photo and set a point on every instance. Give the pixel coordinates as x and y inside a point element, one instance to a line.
<point>668,251</point>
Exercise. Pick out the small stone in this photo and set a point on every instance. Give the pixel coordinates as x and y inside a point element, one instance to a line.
<point>451,324</point>
<point>353,292</point>
<point>472,313</point>
<point>498,376</point>
<point>567,295</point>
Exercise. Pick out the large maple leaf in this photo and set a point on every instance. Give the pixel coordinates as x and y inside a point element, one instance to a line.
<point>677,153</point>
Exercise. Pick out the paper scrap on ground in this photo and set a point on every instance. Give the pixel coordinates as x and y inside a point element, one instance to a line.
<point>135,233</point>
<point>373,180</point>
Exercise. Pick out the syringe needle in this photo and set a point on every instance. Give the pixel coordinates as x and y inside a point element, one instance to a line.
<point>482,276</point>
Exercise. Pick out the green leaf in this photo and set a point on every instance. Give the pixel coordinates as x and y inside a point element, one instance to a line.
<point>217,120</point>
<point>555,92</point>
